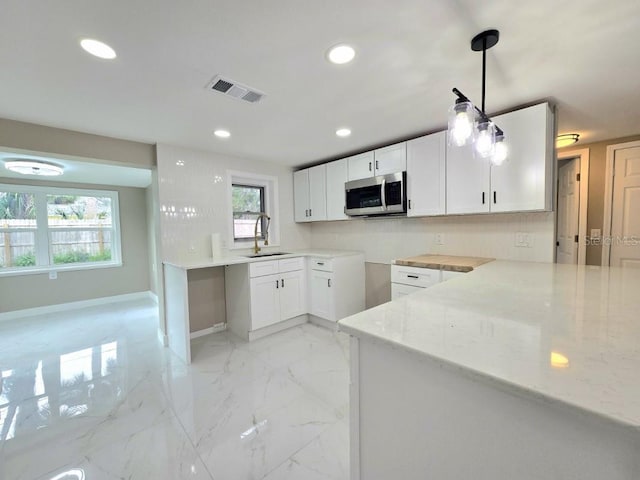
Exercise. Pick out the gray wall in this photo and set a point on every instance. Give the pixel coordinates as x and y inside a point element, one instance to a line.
<point>28,291</point>
<point>32,137</point>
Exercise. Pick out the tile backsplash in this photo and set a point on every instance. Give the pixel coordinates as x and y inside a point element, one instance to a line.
<point>496,235</point>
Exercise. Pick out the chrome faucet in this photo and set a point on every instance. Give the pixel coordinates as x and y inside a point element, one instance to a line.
<point>256,248</point>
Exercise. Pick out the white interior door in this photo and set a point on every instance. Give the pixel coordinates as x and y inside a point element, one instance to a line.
<point>568,212</point>
<point>625,217</point>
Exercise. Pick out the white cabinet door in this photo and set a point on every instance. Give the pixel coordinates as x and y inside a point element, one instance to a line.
<point>360,166</point>
<point>523,182</point>
<point>317,193</point>
<point>336,177</point>
<point>301,196</point>
<point>426,180</point>
<point>265,303</point>
<point>391,159</point>
<point>292,294</point>
<point>399,290</point>
<point>321,294</point>
<point>467,181</point>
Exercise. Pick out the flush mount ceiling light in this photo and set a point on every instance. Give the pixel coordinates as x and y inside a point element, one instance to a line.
<point>341,54</point>
<point>98,49</point>
<point>222,133</point>
<point>469,124</point>
<point>343,132</point>
<point>34,167</point>
<point>567,139</point>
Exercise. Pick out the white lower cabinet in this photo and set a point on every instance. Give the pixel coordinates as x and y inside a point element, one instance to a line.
<point>408,280</point>
<point>258,298</point>
<point>336,286</point>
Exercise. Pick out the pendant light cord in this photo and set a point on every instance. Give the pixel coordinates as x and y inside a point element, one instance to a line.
<point>484,69</point>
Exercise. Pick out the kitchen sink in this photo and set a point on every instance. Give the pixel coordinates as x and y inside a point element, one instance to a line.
<point>259,255</point>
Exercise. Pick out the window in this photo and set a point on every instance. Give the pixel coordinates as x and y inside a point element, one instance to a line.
<point>55,228</point>
<point>250,194</point>
<point>248,203</point>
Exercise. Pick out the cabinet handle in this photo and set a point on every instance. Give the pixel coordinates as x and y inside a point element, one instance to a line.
<point>413,276</point>
<point>277,284</point>
<point>319,263</point>
<point>409,204</point>
<point>377,166</point>
<point>329,282</point>
<point>369,166</point>
<point>494,196</point>
<point>483,198</point>
<point>282,283</point>
<point>310,214</point>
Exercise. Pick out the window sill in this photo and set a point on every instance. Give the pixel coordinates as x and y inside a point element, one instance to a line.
<point>61,268</point>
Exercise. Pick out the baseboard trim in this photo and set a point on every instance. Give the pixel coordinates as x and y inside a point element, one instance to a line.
<point>153,297</point>
<point>323,322</point>
<point>162,338</point>
<point>61,307</point>
<point>220,327</point>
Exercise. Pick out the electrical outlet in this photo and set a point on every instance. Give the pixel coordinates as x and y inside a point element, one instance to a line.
<point>521,239</point>
<point>53,275</point>
<point>595,233</point>
<point>438,239</point>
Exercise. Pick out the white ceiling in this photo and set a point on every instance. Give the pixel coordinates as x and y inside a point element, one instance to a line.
<point>581,54</point>
<point>80,171</point>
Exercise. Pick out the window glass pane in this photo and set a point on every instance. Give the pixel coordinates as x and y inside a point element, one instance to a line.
<point>80,246</point>
<point>17,210</point>
<point>17,249</point>
<point>248,202</point>
<point>78,211</point>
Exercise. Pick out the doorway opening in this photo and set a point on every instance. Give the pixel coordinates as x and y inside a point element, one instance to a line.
<point>571,201</point>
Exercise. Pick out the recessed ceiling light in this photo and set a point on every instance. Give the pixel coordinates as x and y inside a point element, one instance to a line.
<point>34,167</point>
<point>343,132</point>
<point>98,49</point>
<point>222,133</point>
<point>341,54</point>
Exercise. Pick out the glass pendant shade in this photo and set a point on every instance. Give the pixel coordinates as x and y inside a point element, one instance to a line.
<point>485,139</point>
<point>461,121</point>
<point>500,152</point>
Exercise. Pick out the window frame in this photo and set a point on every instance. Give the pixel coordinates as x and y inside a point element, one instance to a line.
<point>42,243</point>
<point>270,205</point>
<point>263,221</point>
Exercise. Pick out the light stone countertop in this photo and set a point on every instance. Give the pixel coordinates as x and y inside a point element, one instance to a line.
<point>515,323</point>
<point>236,259</point>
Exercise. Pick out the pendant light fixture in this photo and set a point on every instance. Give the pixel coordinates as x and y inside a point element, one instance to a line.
<point>470,125</point>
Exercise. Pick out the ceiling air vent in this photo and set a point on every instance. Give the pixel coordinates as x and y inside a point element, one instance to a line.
<point>234,89</point>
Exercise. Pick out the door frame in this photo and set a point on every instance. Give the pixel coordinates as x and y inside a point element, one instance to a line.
<point>608,197</point>
<point>583,155</point>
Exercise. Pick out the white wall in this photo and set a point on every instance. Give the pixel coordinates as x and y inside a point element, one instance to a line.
<point>386,239</point>
<point>199,182</point>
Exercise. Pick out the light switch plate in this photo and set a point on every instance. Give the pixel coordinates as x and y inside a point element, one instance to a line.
<point>595,233</point>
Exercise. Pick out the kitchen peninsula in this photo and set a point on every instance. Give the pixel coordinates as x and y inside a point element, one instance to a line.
<point>515,370</point>
<point>265,293</point>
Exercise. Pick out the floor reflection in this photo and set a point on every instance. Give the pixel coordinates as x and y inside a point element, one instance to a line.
<point>37,394</point>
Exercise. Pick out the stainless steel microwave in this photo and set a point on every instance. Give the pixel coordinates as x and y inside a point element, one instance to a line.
<point>381,195</point>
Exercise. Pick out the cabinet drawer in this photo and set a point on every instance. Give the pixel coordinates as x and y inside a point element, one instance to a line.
<point>322,264</point>
<point>418,277</point>
<point>399,290</point>
<point>291,264</point>
<point>259,269</point>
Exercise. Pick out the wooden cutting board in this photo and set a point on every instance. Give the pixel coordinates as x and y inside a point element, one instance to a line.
<point>451,263</point>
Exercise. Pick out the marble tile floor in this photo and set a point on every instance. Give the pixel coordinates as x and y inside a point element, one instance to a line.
<point>90,394</point>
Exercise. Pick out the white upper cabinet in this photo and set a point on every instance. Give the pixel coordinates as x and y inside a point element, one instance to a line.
<point>301,196</point>
<point>524,182</point>
<point>426,179</point>
<point>318,193</point>
<point>360,166</point>
<point>310,194</point>
<point>337,175</point>
<point>468,181</point>
<point>391,159</point>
